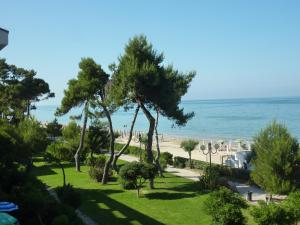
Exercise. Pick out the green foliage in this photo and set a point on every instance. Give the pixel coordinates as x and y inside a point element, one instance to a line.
<point>180,162</point>
<point>225,207</point>
<point>292,203</point>
<point>98,136</point>
<point>88,85</point>
<point>168,157</point>
<point>236,173</point>
<point>20,89</point>
<point>189,146</point>
<point>71,138</point>
<point>140,75</point>
<point>54,129</point>
<point>15,157</point>
<point>97,164</point>
<point>98,160</point>
<point>272,214</point>
<point>209,180</point>
<point>58,151</point>
<point>33,134</point>
<point>276,156</point>
<point>136,174</point>
<point>60,220</point>
<point>68,195</point>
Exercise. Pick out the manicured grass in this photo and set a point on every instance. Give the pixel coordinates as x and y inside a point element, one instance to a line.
<point>175,200</point>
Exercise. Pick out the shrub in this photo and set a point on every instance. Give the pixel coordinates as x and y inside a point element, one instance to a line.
<point>272,213</point>
<point>168,157</point>
<point>225,207</point>
<point>68,195</point>
<point>163,163</point>
<point>98,161</point>
<point>210,179</point>
<point>97,167</point>
<point>136,174</point>
<point>96,173</point>
<point>60,220</point>
<point>293,204</point>
<point>180,162</point>
<point>33,134</point>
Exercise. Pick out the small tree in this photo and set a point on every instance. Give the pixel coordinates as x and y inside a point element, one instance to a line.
<point>33,134</point>
<point>97,136</point>
<point>136,173</point>
<point>189,146</point>
<point>54,129</point>
<point>275,160</point>
<point>57,152</point>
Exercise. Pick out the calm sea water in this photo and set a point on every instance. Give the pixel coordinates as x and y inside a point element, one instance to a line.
<point>216,119</point>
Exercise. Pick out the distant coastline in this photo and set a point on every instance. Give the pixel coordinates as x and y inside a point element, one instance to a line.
<point>214,119</point>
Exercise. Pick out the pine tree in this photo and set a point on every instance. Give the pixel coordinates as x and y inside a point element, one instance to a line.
<point>275,160</point>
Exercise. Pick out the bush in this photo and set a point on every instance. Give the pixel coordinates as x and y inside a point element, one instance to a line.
<point>180,162</point>
<point>68,195</point>
<point>225,207</point>
<point>163,163</point>
<point>168,157</point>
<point>292,203</point>
<point>33,134</point>
<point>209,180</point>
<point>96,173</point>
<point>135,174</point>
<point>98,160</point>
<point>272,213</point>
<point>60,220</point>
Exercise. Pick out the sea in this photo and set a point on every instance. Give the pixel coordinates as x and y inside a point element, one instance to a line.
<point>225,119</point>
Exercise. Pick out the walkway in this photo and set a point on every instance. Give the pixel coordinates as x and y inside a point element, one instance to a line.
<point>243,189</point>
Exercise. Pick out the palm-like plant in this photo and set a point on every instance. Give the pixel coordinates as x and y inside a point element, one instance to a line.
<point>189,146</point>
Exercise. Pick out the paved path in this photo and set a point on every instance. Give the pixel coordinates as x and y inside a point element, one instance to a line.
<point>243,189</point>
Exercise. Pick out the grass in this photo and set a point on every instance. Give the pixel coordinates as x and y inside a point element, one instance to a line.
<point>174,200</point>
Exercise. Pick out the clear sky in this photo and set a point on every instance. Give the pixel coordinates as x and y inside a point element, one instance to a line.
<point>238,48</point>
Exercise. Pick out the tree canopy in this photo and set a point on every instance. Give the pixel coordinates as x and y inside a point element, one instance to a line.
<point>275,160</point>
<point>140,76</point>
<point>20,89</point>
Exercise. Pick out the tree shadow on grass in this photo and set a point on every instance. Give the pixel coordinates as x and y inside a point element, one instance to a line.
<point>169,196</point>
<point>43,170</point>
<point>107,211</point>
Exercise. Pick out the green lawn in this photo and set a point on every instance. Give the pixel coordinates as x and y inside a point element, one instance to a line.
<point>175,200</point>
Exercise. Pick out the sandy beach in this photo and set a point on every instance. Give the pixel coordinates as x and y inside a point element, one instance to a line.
<point>171,144</point>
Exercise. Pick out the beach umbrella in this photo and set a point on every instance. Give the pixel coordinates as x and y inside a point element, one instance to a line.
<point>6,219</point>
<point>8,207</point>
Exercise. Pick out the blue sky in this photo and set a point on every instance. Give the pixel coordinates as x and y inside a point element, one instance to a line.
<point>238,48</point>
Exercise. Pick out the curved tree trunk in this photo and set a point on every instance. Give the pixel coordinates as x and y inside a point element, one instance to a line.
<point>116,156</point>
<point>112,146</point>
<point>150,138</point>
<point>63,173</point>
<point>77,156</point>
<point>157,158</point>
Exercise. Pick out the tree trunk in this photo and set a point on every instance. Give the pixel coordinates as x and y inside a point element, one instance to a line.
<point>150,138</point>
<point>116,156</point>
<point>112,146</point>
<point>160,171</point>
<point>63,172</point>
<point>190,157</point>
<point>28,108</point>
<point>81,143</point>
